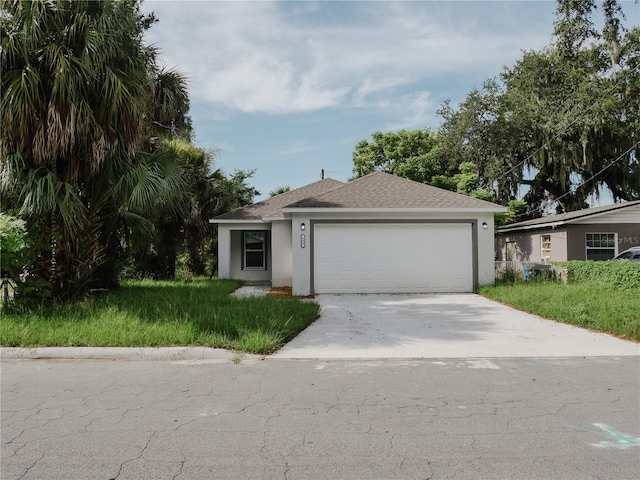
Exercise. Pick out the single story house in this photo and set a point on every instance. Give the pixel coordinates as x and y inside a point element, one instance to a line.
<point>376,234</point>
<point>598,233</point>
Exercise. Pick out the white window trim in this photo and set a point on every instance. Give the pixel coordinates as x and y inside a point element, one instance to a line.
<point>263,250</point>
<point>543,250</point>
<point>615,243</point>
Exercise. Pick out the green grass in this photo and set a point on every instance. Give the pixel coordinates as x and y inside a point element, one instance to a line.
<point>595,306</point>
<point>154,314</point>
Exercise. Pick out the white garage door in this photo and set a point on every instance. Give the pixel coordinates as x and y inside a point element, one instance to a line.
<point>393,258</point>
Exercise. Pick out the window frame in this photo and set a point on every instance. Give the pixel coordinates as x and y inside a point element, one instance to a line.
<point>600,248</point>
<point>263,250</point>
<point>545,238</point>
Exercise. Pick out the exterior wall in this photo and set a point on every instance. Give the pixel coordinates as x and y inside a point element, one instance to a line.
<point>486,269</point>
<point>281,259</point>
<point>628,236</point>
<point>301,256</point>
<point>567,242</point>
<point>302,261</point>
<point>230,253</point>
<point>224,251</point>
<point>526,246</point>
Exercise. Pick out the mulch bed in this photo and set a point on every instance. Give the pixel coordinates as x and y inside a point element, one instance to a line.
<point>284,292</point>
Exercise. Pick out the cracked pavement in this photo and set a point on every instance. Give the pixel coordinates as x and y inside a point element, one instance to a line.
<point>499,418</point>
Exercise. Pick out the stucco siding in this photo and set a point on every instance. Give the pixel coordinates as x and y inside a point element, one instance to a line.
<point>527,247</point>
<point>485,251</point>
<point>224,251</point>
<point>281,261</point>
<point>628,235</point>
<point>567,243</point>
<point>559,245</point>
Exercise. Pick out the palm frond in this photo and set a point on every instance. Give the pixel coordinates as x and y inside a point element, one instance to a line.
<point>43,194</point>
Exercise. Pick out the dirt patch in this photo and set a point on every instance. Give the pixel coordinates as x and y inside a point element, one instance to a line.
<point>285,292</point>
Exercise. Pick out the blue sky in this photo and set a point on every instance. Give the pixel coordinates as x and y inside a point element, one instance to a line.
<point>289,88</point>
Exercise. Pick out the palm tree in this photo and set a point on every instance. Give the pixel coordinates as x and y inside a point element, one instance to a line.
<point>78,97</point>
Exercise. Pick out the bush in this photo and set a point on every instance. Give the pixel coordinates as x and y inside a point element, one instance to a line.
<point>12,235</point>
<point>617,273</point>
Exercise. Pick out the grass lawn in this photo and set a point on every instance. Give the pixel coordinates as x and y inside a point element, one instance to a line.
<point>590,305</point>
<point>153,314</point>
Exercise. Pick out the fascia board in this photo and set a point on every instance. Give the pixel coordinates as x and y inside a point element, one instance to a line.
<point>395,210</point>
<point>566,222</point>
<point>532,227</point>
<point>213,220</point>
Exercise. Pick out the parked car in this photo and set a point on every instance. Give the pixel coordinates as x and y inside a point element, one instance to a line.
<point>632,255</point>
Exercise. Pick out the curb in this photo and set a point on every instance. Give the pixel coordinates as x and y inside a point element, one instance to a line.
<point>125,353</point>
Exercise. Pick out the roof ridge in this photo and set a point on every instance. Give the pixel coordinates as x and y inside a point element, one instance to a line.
<point>403,193</point>
<point>270,206</point>
<point>295,190</point>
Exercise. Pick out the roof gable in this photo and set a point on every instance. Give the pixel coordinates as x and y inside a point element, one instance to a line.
<point>377,190</point>
<point>383,190</point>
<point>272,207</point>
<point>581,216</point>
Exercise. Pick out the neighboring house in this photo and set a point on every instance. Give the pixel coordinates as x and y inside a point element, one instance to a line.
<point>598,233</point>
<point>378,233</point>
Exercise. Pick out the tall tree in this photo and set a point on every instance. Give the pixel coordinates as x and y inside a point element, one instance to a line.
<point>414,154</point>
<point>563,121</point>
<point>78,93</point>
<point>186,231</point>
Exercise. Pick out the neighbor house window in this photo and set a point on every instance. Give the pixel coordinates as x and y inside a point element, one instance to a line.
<point>255,249</point>
<point>601,246</point>
<point>545,247</point>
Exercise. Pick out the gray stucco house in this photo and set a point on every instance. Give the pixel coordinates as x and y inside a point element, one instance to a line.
<point>598,233</point>
<point>377,234</point>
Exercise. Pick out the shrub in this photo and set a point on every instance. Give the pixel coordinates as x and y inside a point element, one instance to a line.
<point>613,272</point>
<point>12,242</point>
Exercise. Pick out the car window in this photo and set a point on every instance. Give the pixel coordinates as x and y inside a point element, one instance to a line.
<point>625,256</point>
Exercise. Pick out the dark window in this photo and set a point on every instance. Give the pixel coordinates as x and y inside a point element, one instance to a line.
<point>601,246</point>
<point>255,249</point>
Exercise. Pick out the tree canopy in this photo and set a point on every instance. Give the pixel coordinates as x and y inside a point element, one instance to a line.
<point>561,122</point>
<point>558,126</point>
<point>94,143</point>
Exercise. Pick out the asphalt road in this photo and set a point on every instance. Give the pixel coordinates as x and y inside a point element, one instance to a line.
<point>534,418</point>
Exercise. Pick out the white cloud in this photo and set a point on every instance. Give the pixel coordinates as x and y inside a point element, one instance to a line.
<point>412,111</point>
<point>300,146</point>
<point>282,57</point>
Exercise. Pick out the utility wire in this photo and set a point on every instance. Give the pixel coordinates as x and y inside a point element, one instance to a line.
<point>630,150</point>
<point>621,156</point>
<point>548,142</point>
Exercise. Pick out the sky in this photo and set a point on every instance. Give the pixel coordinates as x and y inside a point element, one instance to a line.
<point>289,88</point>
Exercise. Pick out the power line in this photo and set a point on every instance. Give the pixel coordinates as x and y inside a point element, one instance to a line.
<point>630,151</point>
<point>564,130</point>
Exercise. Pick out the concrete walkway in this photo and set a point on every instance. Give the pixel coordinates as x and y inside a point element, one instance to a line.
<point>441,326</point>
<point>251,291</point>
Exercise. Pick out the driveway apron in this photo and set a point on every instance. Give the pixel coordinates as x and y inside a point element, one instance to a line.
<point>441,326</point>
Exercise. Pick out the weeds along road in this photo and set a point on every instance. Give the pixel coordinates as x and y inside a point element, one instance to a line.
<point>571,418</point>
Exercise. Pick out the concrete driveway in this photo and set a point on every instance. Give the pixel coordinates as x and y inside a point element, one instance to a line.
<point>441,326</point>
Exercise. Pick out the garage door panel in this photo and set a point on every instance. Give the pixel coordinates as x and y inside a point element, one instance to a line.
<point>393,258</point>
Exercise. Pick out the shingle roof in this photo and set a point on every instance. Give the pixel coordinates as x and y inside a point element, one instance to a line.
<point>569,216</point>
<point>376,190</point>
<point>273,206</point>
<point>383,190</point>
